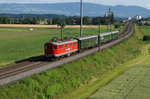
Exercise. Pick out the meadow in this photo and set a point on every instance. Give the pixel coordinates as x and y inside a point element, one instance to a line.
<point>64,82</point>
<point>20,43</point>
<point>145,30</point>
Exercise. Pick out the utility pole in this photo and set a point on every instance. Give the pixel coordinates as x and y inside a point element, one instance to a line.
<point>107,25</point>
<point>107,20</point>
<point>61,31</point>
<point>99,37</point>
<point>81,19</point>
<point>110,17</point>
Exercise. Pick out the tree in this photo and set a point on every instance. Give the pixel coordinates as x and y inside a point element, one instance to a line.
<point>5,20</point>
<point>56,21</point>
<point>95,20</point>
<point>20,21</point>
<point>34,20</point>
<point>146,24</point>
<point>70,20</point>
<point>112,18</point>
<point>77,20</point>
<point>62,23</point>
<point>86,20</point>
<point>26,21</point>
<point>48,21</point>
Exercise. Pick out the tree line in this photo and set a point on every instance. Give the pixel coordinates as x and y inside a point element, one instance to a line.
<point>86,20</point>
<point>58,21</point>
<point>7,20</point>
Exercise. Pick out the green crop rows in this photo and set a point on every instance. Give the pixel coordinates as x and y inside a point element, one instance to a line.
<point>133,84</point>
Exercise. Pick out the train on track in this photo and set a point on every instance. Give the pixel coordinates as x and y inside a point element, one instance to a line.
<point>59,48</point>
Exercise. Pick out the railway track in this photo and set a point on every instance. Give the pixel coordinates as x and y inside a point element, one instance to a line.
<point>24,69</point>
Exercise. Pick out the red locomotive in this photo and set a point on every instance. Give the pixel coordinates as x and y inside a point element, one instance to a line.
<point>58,48</point>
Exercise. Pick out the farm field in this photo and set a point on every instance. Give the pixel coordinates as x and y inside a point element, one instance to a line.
<point>133,84</point>
<point>19,43</point>
<point>63,82</point>
<point>145,30</point>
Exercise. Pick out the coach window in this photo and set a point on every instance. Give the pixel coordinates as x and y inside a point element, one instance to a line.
<point>74,44</point>
<point>62,46</point>
<point>70,45</point>
<point>55,46</point>
<point>66,45</point>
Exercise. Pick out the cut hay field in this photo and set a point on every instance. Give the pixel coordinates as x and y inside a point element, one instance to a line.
<point>19,43</point>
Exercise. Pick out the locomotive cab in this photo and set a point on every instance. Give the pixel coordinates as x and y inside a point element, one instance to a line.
<point>48,50</point>
<point>60,48</point>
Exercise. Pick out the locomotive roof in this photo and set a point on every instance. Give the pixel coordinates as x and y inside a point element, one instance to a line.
<point>59,42</point>
<point>63,42</point>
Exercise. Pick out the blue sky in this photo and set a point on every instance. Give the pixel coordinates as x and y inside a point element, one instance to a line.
<point>143,3</point>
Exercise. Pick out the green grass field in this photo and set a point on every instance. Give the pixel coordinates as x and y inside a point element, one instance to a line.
<point>43,22</point>
<point>63,81</point>
<point>145,30</point>
<point>19,43</point>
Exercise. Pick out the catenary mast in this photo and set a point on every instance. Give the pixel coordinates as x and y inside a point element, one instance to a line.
<point>81,13</point>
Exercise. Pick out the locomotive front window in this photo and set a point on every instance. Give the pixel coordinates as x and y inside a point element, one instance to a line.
<point>50,46</point>
<point>55,46</point>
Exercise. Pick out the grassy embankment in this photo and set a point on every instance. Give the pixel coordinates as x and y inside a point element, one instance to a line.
<point>19,43</point>
<point>138,76</point>
<point>77,79</point>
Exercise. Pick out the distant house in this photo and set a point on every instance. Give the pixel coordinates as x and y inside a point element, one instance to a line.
<point>129,18</point>
<point>138,17</point>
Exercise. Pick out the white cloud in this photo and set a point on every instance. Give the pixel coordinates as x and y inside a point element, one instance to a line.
<point>148,5</point>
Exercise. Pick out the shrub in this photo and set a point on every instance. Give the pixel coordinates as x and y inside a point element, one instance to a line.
<point>52,90</point>
<point>146,38</point>
<point>117,26</point>
<point>146,24</point>
<point>140,24</point>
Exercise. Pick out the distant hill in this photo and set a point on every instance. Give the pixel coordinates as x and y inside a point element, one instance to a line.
<point>73,9</point>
